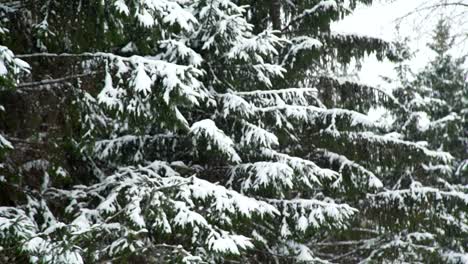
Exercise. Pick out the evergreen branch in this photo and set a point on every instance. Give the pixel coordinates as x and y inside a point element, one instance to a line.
<point>280,91</point>
<point>371,137</point>
<point>306,13</point>
<point>328,81</point>
<point>420,190</point>
<point>341,243</point>
<point>153,192</point>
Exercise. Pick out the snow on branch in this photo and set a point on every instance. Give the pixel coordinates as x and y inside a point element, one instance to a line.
<point>229,244</point>
<point>388,140</point>
<point>303,254</point>
<point>311,172</point>
<point>261,175</point>
<point>147,12</point>
<point>293,96</point>
<point>445,121</point>
<point>289,92</point>
<point>417,244</point>
<point>226,21</point>
<point>346,46</point>
<point>297,45</point>
<point>226,201</point>
<point>176,79</point>
<point>16,223</point>
<point>267,71</point>
<point>18,227</point>
<point>11,65</point>
<point>309,114</point>
<point>152,199</point>
<point>455,257</point>
<point>418,193</point>
<point>235,104</point>
<point>5,144</point>
<point>254,135</point>
<point>323,5</point>
<point>370,179</point>
<point>247,104</point>
<point>145,71</point>
<point>263,44</point>
<point>355,91</point>
<point>177,50</point>
<point>312,213</point>
<point>207,129</point>
<point>108,147</point>
<point>111,96</point>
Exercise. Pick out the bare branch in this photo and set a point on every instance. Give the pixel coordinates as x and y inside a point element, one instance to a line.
<point>59,80</point>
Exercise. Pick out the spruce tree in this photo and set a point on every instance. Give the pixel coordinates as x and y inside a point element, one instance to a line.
<point>423,212</point>
<point>444,90</point>
<point>438,99</point>
<point>197,131</point>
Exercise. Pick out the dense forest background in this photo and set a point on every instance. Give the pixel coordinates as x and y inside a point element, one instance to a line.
<point>221,131</point>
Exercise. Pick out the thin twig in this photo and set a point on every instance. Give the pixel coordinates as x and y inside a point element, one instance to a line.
<point>58,80</point>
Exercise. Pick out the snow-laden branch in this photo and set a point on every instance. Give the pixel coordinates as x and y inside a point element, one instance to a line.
<point>215,137</point>
<point>311,172</point>
<point>370,179</point>
<point>386,140</point>
<point>261,175</point>
<point>418,193</point>
<point>309,114</point>
<point>315,214</point>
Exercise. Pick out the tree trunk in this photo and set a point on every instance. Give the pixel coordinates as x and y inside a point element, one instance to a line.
<point>275,14</point>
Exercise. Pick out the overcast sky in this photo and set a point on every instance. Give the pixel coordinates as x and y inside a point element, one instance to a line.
<point>381,19</point>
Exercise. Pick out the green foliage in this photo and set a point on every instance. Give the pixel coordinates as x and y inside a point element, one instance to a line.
<point>205,132</point>
<point>426,203</point>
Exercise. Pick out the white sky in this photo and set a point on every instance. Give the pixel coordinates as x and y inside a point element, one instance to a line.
<point>380,20</point>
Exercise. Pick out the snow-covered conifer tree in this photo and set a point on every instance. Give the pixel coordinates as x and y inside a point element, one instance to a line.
<point>10,68</point>
<point>200,131</point>
<point>439,101</point>
<point>423,213</point>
